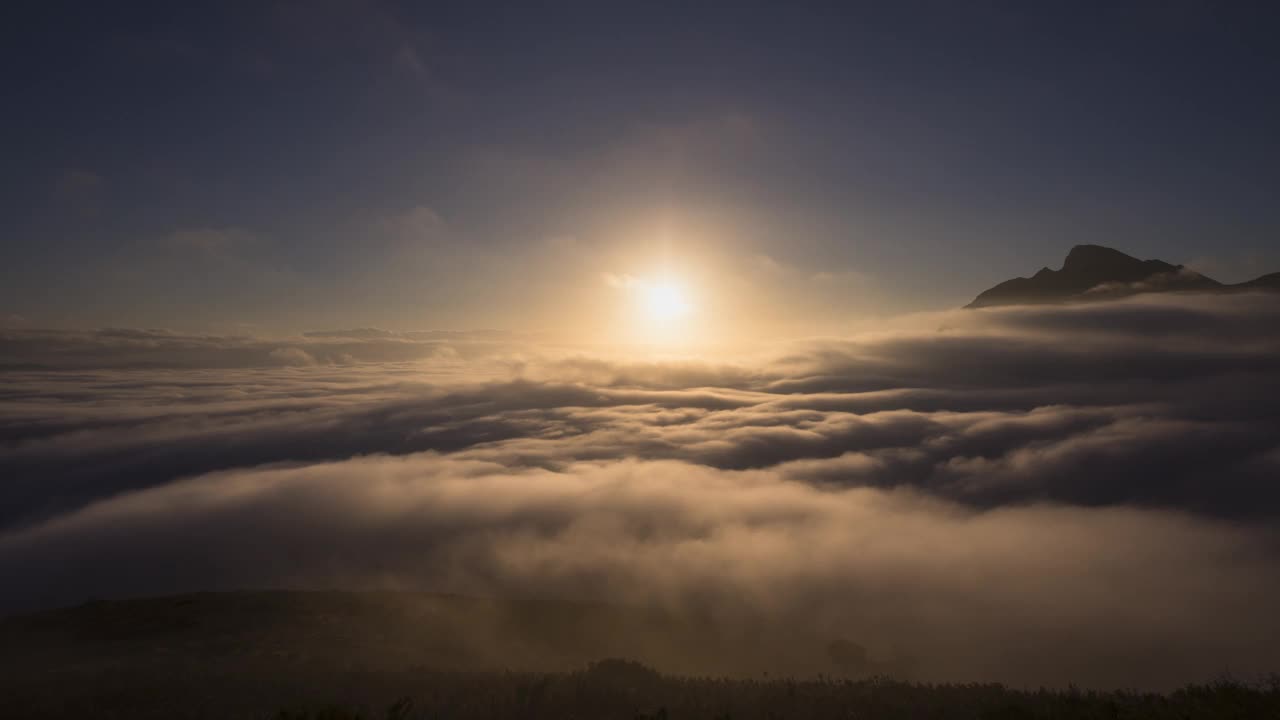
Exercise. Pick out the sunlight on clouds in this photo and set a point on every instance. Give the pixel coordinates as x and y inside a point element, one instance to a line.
<point>963,489</point>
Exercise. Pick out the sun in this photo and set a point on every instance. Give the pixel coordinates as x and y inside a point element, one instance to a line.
<point>656,310</point>
<point>665,301</point>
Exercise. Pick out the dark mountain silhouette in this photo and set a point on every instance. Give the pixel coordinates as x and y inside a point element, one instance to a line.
<point>344,656</point>
<point>279,631</point>
<point>1094,272</point>
<point>1266,282</point>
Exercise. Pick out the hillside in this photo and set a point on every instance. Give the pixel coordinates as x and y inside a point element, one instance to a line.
<point>341,656</point>
<point>381,630</point>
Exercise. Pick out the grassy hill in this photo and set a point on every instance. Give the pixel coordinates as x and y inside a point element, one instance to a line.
<point>253,655</point>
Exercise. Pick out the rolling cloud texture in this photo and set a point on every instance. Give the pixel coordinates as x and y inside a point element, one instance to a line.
<point>1033,494</point>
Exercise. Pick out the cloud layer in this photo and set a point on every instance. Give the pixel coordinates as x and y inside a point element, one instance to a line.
<point>1052,494</point>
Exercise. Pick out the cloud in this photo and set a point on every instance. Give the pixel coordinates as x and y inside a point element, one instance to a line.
<point>367,31</point>
<point>990,411</point>
<point>409,229</point>
<point>292,356</point>
<point>1026,595</point>
<point>127,348</point>
<point>620,281</point>
<point>1048,494</point>
<point>79,191</point>
<point>210,241</point>
<point>77,182</point>
<point>407,57</point>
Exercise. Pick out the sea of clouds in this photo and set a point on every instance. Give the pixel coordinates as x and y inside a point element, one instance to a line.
<point>1077,493</point>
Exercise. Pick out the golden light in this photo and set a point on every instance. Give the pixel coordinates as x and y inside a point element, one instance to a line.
<point>665,301</point>
<point>657,310</point>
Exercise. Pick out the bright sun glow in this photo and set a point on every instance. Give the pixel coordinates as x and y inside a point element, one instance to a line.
<point>665,301</point>
<point>657,310</point>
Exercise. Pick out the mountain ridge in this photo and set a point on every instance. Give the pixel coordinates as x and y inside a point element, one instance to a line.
<point>1097,272</point>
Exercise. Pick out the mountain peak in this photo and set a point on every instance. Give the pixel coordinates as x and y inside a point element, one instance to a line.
<point>1097,272</point>
<point>1088,257</point>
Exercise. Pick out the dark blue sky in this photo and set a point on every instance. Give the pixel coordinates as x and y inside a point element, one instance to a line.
<point>293,165</point>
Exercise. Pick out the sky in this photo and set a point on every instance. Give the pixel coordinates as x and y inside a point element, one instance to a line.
<point>283,167</point>
<point>655,305</point>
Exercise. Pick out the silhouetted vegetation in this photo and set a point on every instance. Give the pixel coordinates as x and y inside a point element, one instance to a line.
<point>341,656</point>
<point>618,689</point>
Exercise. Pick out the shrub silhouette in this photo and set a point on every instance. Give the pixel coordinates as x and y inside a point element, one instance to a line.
<point>849,656</point>
<point>622,674</point>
